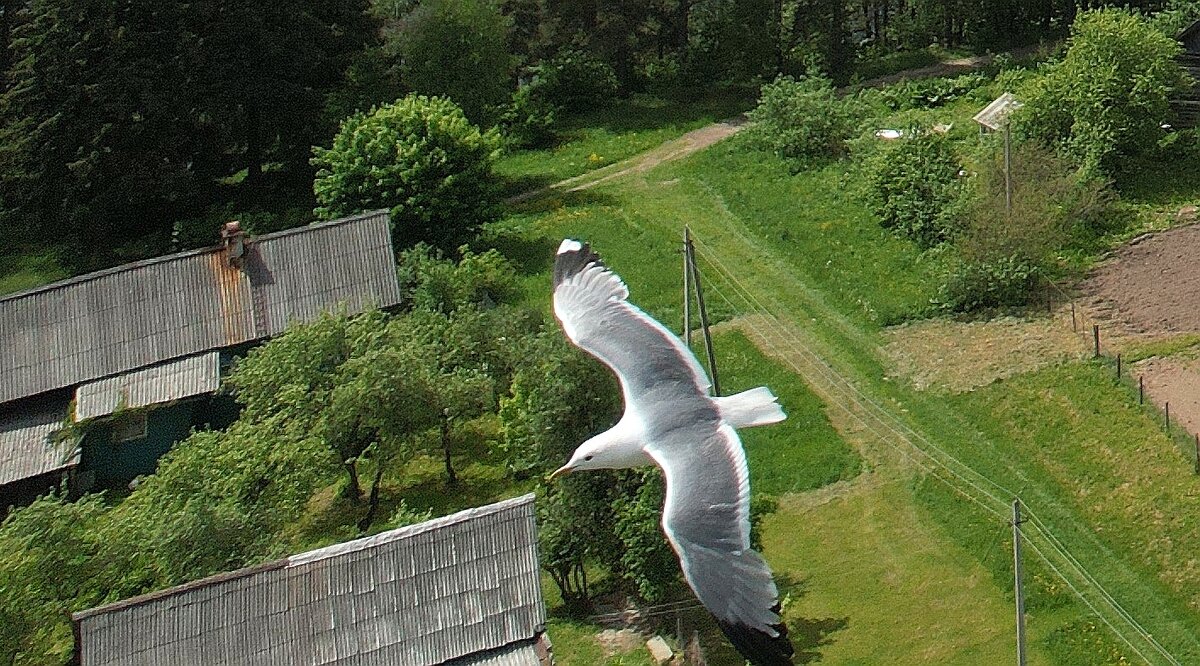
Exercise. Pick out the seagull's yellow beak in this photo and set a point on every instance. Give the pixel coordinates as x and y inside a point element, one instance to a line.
<point>561,471</point>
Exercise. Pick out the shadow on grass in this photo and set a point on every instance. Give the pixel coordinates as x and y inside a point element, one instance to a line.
<point>645,112</point>
<point>807,634</point>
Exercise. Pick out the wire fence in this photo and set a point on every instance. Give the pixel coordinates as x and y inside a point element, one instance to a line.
<point>838,390</point>
<point>1094,332</point>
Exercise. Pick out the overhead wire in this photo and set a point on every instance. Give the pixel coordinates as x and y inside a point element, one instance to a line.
<point>849,392</point>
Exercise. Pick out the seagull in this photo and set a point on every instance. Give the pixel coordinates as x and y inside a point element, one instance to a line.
<point>671,420</point>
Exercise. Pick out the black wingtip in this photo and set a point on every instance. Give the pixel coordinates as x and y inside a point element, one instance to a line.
<point>759,647</point>
<point>572,258</point>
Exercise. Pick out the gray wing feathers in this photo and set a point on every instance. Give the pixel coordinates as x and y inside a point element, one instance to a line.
<point>707,520</point>
<point>590,302</point>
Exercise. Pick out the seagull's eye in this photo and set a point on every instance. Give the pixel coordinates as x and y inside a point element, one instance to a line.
<point>588,458</point>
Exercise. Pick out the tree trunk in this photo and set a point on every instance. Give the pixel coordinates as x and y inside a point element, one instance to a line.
<point>373,501</point>
<point>451,477</point>
<point>355,487</point>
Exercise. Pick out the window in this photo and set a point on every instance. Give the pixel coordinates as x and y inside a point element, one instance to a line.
<point>128,427</point>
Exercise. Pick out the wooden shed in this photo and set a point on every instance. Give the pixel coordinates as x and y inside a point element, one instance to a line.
<point>1185,107</point>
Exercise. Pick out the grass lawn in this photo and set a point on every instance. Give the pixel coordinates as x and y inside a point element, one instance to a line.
<point>27,270</point>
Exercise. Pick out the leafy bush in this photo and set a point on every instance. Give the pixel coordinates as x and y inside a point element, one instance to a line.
<point>421,158</point>
<point>976,285</point>
<point>803,120</point>
<point>1053,206</point>
<point>527,121</point>
<point>1108,96</point>
<point>430,282</point>
<point>930,93</point>
<point>574,80</point>
<point>914,186</point>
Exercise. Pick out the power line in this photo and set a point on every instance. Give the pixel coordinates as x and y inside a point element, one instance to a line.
<point>851,393</point>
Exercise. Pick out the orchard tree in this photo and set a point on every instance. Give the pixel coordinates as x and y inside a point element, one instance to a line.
<point>421,158</point>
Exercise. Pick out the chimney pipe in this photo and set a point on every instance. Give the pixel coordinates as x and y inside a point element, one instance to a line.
<point>234,240</point>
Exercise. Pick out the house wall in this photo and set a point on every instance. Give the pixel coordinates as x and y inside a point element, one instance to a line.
<point>108,463</point>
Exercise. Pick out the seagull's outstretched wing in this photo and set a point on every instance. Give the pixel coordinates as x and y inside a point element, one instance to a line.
<point>590,301</point>
<point>707,520</point>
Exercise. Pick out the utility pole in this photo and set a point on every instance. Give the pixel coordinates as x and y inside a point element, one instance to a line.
<point>1007,168</point>
<point>1019,591</point>
<point>708,344</point>
<point>687,287</point>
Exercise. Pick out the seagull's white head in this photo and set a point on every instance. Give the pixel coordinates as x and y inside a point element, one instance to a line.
<point>617,448</point>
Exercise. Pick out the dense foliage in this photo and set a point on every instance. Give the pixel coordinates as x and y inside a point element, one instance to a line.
<point>117,121</point>
<point>1011,240</point>
<point>914,184</point>
<point>419,157</point>
<point>458,49</point>
<point>1109,95</point>
<point>803,120</point>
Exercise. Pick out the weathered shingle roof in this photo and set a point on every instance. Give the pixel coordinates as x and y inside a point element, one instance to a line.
<point>457,587</point>
<point>25,446</point>
<point>164,382</point>
<point>139,314</point>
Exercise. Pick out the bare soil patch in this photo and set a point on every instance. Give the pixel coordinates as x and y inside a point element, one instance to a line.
<point>1150,288</point>
<point>946,354</point>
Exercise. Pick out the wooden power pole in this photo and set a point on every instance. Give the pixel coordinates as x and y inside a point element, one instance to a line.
<point>1019,592</point>
<point>687,287</point>
<point>690,252</point>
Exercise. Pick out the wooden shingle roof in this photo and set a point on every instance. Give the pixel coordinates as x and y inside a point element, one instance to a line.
<point>26,446</point>
<point>462,588</point>
<point>124,318</point>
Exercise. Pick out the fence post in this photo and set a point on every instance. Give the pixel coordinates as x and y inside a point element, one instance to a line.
<point>1198,454</point>
<point>1118,366</point>
<point>1167,408</point>
<point>1141,390</point>
<point>1074,326</point>
<point>1096,337</point>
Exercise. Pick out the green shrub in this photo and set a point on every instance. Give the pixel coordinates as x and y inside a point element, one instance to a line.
<point>977,285</point>
<point>458,49</point>
<point>914,187</point>
<point>419,157</point>
<point>930,93</point>
<point>1005,246</point>
<point>803,120</point>
<point>1108,96</point>
<point>575,81</point>
<point>528,120</point>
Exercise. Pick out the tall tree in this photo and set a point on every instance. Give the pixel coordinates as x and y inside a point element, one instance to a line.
<point>459,49</point>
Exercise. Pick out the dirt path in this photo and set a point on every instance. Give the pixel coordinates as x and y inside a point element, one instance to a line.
<point>694,141</point>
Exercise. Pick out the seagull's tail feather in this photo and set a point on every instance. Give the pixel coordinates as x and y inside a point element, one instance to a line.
<point>755,407</point>
<point>759,647</point>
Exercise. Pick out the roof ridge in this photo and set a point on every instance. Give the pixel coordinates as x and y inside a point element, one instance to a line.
<point>389,536</point>
<point>174,256</point>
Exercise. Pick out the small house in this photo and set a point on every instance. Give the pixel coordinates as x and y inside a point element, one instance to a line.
<point>102,373</point>
<point>463,589</point>
<point>1185,106</point>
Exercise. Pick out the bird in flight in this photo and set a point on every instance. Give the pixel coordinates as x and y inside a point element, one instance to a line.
<point>671,420</point>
